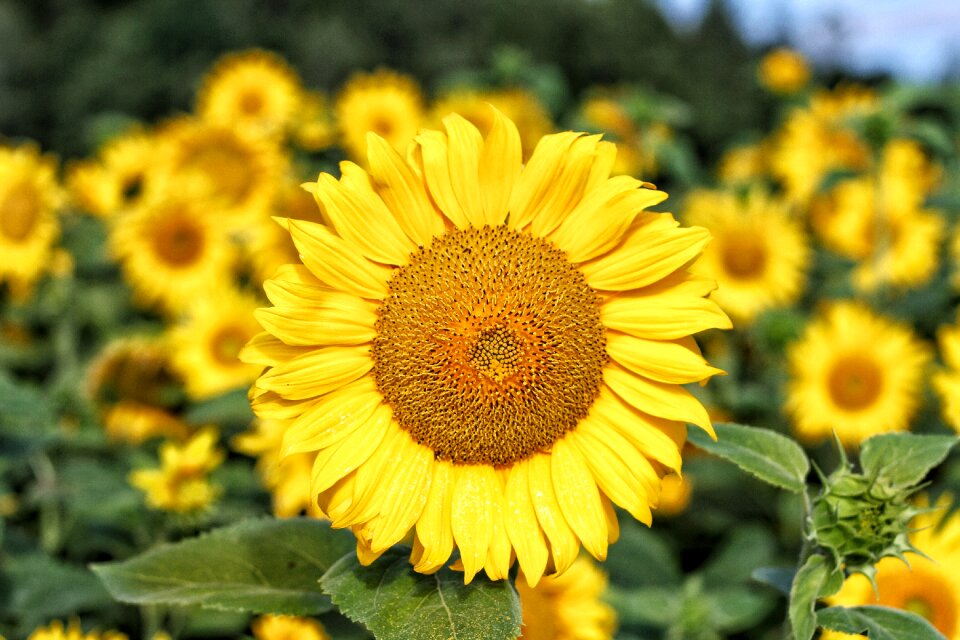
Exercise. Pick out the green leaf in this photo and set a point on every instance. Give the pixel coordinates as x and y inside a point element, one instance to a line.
<point>770,456</point>
<point>811,580</point>
<point>903,459</point>
<point>27,421</point>
<point>395,602</point>
<point>262,566</point>
<point>737,609</point>
<point>640,546</point>
<point>879,623</point>
<point>655,606</point>
<point>743,551</point>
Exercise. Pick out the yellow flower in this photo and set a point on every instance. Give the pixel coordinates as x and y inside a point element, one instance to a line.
<point>56,631</point>
<point>287,628</point>
<point>522,107</point>
<point>385,102</point>
<point>172,251</point>
<point>567,607</point>
<point>742,165</point>
<point>254,90</point>
<point>759,254</point>
<point>784,71</point>
<point>313,128</point>
<point>287,477</point>
<point>119,178</point>
<point>855,373</point>
<point>180,484</point>
<point>929,586</point>
<point>205,343</point>
<point>675,495</point>
<point>29,200</point>
<point>132,385</point>
<point>946,381</point>
<point>484,353</point>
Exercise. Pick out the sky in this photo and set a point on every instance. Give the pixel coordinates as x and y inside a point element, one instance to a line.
<point>916,40</point>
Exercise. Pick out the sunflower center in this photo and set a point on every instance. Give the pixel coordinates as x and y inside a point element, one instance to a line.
<point>744,256</point>
<point>251,102</point>
<point>19,213</point>
<point>179,241</point>
<point>226,344</point>
<point>132,187</point>
<point>382,126</point>
<point>854,383</point>
<point>489,346</point>
<point>226,166</point>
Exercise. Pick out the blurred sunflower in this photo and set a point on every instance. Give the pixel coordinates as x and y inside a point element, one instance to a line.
<point>855,373</point>
<point>784,71</point>
<point>118,178</point>
<point>314,128</point>
<point>172,251</point>
<point>929,586</point>
<point>234,172</point>
<point>385,102</point>
<point>519,105</point>
<point>286,477</point>
<point>56,631</point>
<point>270,627</point>
<point>29,201</point>
<point>205,343</point>
<point>946,381</point>
<point>486,353</point>
<point>759,254</point>
<point>254,90</point>
<point>743,164</point>
<point>181,484</point>
<point>567,607</point>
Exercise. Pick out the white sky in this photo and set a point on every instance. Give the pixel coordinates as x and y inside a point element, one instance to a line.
<point>915,39</point>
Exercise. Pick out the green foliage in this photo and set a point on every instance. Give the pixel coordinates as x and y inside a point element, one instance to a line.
<point>879,623</point>
<point>769,456</point>
<point>396,603</point>
<point>903,459</point>
<point>817,578</point>
<point>263,566</point>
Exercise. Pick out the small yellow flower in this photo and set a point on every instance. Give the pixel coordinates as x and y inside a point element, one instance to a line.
<point>270,627</point>
<point>180,484</point>
<point>784,71</point>
<point>118,179</point>
<point>56,631</point>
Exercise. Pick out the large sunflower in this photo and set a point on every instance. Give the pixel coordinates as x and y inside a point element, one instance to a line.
<point>855,373</point>
<point>29,199</point>
<point>485,355</point>
<point>929,586</point>
<point>759,253</point>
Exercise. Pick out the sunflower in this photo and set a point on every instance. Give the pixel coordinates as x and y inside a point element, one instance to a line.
<point>118,179</point>
<point>235,171</point>
<point>254,90</point>
<point>270,627</point>
<point>784,71</point>
<point>929,586</point>
<point>206,342</point>
<point>483,353</point>
<point>286,477</point>
<point>181,484</point>
<point>313,128</point>
<point>759,254</point>
<point>743,164</point>
<point>946,381</point>
<point>29,200</point>
<point>385,102</point>
<point>172,251</point>
<point>56,631</point>
<point>519,105</point>
<point>568,607</point>
<point>854,373</point>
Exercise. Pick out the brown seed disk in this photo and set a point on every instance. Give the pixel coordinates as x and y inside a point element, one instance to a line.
<point>489,345</point>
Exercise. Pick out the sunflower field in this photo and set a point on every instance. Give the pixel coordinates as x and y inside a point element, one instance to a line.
<point>472,321</point>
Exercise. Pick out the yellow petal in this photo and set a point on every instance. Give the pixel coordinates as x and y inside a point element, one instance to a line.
<point>270,406</point>
<point>464,145</point>
<point>403,192</point>
<point>499,169</point>
<point>336,262</point>
<point>404,487</point>
<point>538,177</point>
<point>666,315</point>
<point>367,496</point>
<point>668,401</point>
<point>344,321</point>
<point>436,171</point>
<point>434,529</point>
<point>337,461</point>
<point>602,218</point>
<point>643,257</point>
<point>563,543</point>
<point>579,498</point>
<point>470,515</point>
<point>317,372</point>
<point>655,438</point>
<point>499,554</point>
<point>295,273</point>
<point>568,189</point>
<point>268,350</point>
<point>613,525</point>
<point>672,361</point>
<point>523,528</point>
<point>332,417</point>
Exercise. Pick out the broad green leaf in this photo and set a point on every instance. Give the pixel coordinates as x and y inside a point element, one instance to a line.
<point>263,566</point>
<point>879,623</point>
<point>770,456</point>
<point>396,603</point>
<point>903,459</point>
<point>808,585</point>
